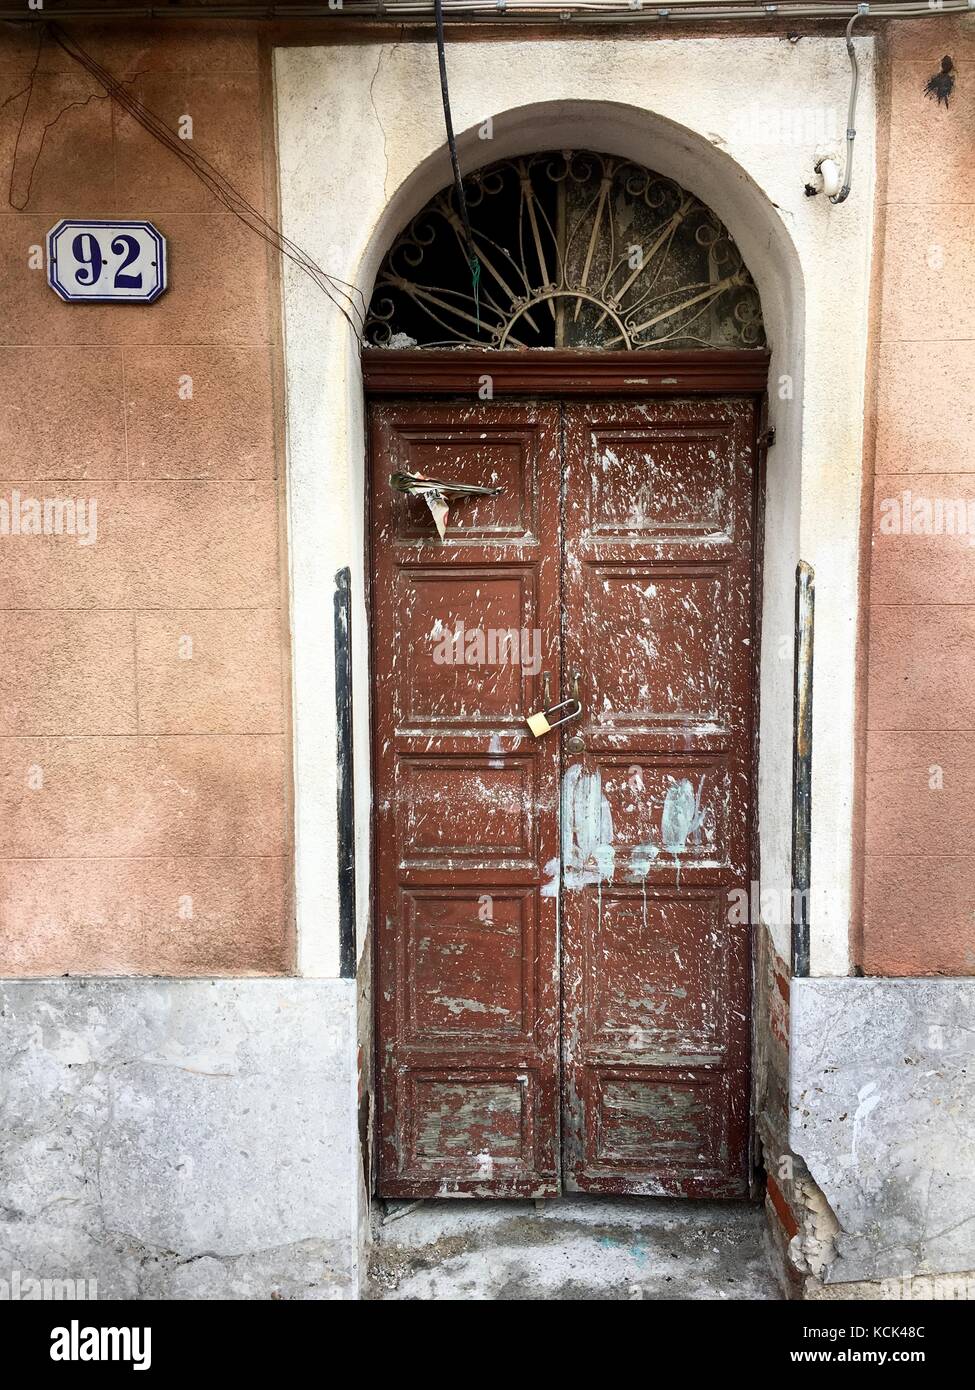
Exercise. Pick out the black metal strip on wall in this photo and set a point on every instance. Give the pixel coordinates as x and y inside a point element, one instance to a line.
<point>344,772</point>
<point>802,766</point>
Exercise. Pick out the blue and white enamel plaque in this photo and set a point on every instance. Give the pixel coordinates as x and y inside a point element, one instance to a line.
<point>106,262</point>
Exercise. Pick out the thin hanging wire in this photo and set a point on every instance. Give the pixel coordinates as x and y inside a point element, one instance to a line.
<point>472,256</point>
<point>346,297</point>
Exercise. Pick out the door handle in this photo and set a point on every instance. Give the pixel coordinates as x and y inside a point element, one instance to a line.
<point>576,744</point>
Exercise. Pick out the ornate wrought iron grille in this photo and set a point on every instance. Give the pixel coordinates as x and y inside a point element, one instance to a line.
<point>577,250</point>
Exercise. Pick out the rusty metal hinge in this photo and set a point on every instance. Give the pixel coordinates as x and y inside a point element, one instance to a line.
<point>767,439</point>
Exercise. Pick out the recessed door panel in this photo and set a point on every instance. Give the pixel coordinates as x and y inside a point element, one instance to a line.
<point>660,481</point>
<point>459,647</point>
<point>469,973</point>
<point>660,973</point>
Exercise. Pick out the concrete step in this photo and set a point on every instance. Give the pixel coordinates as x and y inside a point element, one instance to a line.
<point>572,1248</point>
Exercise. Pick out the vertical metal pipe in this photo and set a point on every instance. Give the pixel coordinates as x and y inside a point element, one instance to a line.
<point>802,706</point>
<point>344,772</point>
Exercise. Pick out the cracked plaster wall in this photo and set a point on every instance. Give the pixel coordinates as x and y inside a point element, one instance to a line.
<point>883,1115</point>
<point>180,1139</point>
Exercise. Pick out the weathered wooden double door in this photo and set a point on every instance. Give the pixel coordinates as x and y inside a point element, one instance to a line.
<point>562,958</point>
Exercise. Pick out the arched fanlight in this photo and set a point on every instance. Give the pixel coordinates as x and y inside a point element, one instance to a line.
<point>576,249</point>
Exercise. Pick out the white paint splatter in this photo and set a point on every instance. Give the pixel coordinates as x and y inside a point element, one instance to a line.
<point>588,855</point>
<point>869,1098</point>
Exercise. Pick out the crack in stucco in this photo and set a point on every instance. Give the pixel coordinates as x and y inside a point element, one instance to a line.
<point>372,99</point>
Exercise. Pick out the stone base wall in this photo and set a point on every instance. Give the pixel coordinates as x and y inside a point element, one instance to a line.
<point>180,1139</point>
<point>870,1193</point>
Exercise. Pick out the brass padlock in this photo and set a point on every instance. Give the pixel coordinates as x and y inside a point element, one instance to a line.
<point>540,723</point>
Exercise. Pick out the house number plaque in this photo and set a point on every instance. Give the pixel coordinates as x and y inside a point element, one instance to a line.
<point>106,262</point>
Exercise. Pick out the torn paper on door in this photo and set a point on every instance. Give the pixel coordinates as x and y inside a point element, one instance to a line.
<point>438,494</point>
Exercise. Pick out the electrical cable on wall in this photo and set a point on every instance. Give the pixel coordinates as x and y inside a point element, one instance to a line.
<point>507,13</point>
<point>851,134</point>
<point>347,298</point>
<point>472,255</point>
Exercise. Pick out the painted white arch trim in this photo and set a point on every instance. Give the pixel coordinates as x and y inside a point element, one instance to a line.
<point>360,131</point>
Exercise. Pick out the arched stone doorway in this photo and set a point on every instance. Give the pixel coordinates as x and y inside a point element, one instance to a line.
<point>563,994</point>
<point>360,155</point>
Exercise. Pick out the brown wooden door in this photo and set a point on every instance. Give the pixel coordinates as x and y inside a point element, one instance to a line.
<point>466,824</point>
<point>621,551</point>
<point>658,596</point>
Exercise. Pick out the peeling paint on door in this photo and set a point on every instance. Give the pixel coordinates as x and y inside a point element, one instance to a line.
<point>516,873</point>
<point>658,598</point>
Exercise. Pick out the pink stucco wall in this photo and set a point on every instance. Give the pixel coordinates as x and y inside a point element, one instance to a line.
<point>919,870</point>
<point>144,781</point>
<point>144,816</point>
